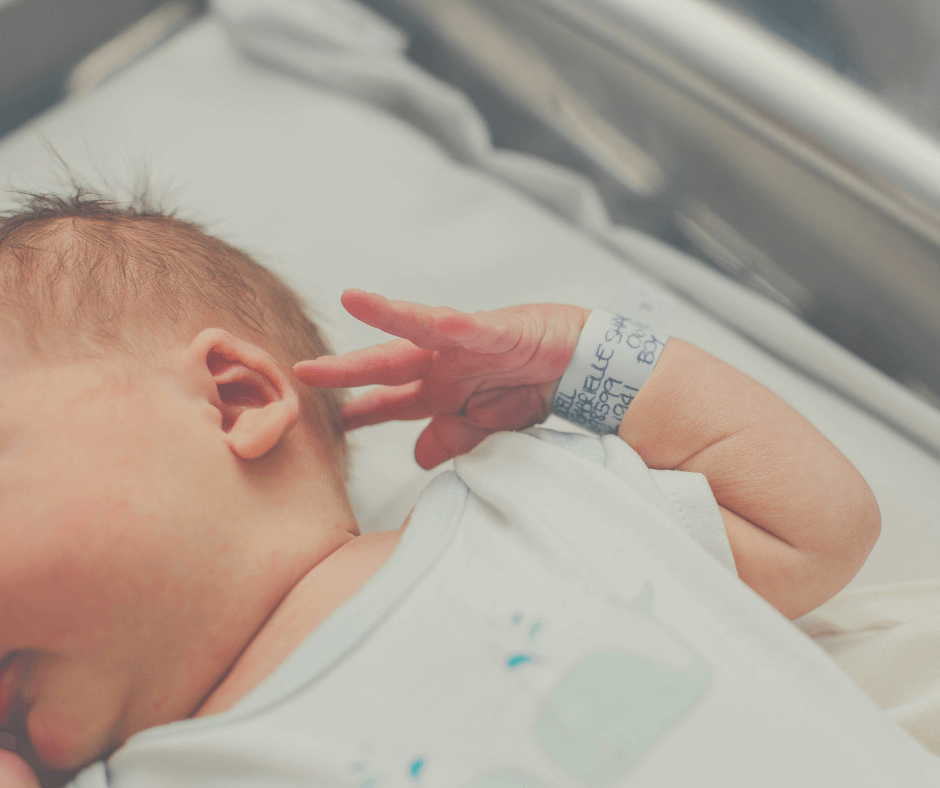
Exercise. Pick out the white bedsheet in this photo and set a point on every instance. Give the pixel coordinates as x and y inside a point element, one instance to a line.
<point>888,639</point>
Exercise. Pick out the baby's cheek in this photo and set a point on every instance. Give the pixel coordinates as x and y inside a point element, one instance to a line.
<point>61,581</point>
<point>60,606</point>
<point>72,710</point>
<point>59,741</point>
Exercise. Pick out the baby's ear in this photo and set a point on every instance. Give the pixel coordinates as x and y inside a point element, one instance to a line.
<point>252,392</point>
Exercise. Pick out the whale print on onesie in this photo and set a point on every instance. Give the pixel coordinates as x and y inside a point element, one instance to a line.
<point>599,715</point>
<point>611,708</point>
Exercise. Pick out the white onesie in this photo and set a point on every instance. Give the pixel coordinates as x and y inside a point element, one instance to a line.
<point>556,614</point>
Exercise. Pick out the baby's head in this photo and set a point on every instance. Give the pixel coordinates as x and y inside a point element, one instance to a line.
<point>164,478</point>
<point>83,277</point>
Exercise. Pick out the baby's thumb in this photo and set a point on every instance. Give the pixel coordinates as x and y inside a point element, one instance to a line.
<point>446,437</point>
<point>15,772</point>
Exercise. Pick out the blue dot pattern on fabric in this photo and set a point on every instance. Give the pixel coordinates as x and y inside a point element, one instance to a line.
<point>506,778</point>
<point>611,709</point>
<point>515,660</point>
<point>416,767</point>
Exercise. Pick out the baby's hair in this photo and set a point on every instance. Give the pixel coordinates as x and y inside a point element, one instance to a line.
<point>82,274</point>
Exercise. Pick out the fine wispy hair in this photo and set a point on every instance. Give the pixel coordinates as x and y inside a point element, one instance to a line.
<point>81,273</point>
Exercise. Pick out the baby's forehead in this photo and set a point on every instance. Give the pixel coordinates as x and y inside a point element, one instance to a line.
<point>48,398</point>
<point>58,359</point>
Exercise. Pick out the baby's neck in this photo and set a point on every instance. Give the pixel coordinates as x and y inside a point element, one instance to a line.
<point>308,604</point>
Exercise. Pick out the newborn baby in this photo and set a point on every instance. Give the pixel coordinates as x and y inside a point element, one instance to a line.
<point>184,590</point>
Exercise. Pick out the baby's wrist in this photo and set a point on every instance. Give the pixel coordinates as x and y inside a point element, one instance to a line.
<point>613,358</point>
<point>548,390</point>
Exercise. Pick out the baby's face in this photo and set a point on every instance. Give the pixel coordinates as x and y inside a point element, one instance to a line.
<point>105,526</point>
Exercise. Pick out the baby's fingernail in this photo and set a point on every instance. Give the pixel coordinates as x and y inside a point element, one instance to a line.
<point>309,361</point>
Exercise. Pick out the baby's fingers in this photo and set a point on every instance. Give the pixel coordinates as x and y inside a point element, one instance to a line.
<point>14,772</point>
<point>388,403</point>
<point>389,364</point>
<point>446,437</point>
<point>435,328</point>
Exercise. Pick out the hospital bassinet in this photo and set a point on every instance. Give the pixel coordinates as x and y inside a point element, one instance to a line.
<point>304,133</point>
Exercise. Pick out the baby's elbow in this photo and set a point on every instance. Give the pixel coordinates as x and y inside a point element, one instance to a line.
<point>873,519</point>
<point>864,527</point>
<point>857,536</point>
<point>822,572</point>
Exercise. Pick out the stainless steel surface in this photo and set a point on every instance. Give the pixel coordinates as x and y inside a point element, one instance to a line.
<point>130,44</point>
<point>892,48</point>
<point>848,242</point>
<point>41,41</point>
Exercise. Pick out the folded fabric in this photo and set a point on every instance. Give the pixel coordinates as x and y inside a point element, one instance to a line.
<point>888,639</point>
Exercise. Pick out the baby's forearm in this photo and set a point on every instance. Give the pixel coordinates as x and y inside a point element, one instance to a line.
<point>800,518</point>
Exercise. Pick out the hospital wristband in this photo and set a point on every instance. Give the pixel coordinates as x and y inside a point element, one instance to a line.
<point>613,359</point>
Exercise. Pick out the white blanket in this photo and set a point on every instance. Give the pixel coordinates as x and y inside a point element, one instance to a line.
<point>888,639</point>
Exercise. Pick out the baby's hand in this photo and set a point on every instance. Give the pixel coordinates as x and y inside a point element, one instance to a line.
<point>14,771</point>
<point>472,374</point>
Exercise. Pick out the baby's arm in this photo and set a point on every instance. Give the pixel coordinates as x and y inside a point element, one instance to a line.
<point>799,517</point>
